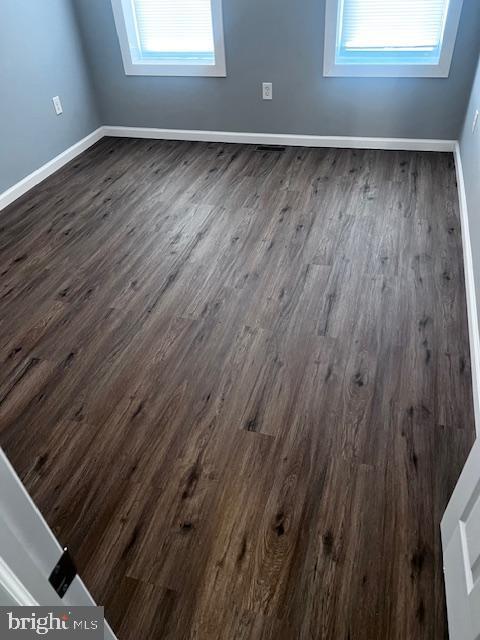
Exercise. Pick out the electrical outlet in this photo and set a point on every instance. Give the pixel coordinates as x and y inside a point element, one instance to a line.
<point>475,121</point>
<point>58,105</point>
<point>267,90</point>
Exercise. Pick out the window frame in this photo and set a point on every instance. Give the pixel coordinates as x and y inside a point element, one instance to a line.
<point>333,68</point>
<point>136,66</point>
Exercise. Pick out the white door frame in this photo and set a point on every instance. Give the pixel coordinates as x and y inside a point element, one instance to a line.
<point>29,550</point>
<point>460,529</point>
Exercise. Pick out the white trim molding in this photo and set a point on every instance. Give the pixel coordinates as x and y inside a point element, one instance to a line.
<point>239,137</point>
<point>136,64</point>
<point>472,309</point>
<point>335,65</point>
<point>37,176</point>
<point>294,140</point>
<point>15,589</point>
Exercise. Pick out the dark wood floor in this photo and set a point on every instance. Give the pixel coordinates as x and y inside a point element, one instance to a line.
<point>237,384</point>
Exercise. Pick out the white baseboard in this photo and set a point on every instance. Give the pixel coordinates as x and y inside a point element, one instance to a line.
<point>473,331</point>
<point>343,142</point>
<point>50,167</point>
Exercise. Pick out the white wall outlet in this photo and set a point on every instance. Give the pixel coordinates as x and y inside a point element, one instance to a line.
<point>58,105</point>
<point>475,121</point>
<point>267,90</point>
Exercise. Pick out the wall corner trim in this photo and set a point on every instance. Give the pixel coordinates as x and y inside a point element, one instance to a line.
<point>37,176</point>
<point>473,330</point>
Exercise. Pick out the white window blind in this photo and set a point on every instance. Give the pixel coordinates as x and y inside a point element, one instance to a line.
<point>170,30</point>
<point>408,28</point>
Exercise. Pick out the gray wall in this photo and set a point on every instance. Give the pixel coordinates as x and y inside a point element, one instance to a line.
<point>470,152</point>
<point>279,41</point>
<point>41,56</point>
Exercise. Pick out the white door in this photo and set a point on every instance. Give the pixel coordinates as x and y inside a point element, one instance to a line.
<point>29,551</point>
<point>461,552</point>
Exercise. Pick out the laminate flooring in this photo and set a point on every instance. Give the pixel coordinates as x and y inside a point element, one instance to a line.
<point>237,384</point>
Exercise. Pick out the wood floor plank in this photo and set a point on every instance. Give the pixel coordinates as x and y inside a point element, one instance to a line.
<point>237,384</point>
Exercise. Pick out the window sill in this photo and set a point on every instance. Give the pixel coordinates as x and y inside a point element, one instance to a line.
<point>179,69</point>
<point>385,70</point>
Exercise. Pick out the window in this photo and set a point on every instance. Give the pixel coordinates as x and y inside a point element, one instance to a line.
<point>390,37</point>
<point>171,37</point>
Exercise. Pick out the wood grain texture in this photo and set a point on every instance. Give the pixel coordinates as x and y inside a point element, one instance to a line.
<point>237,384</point>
